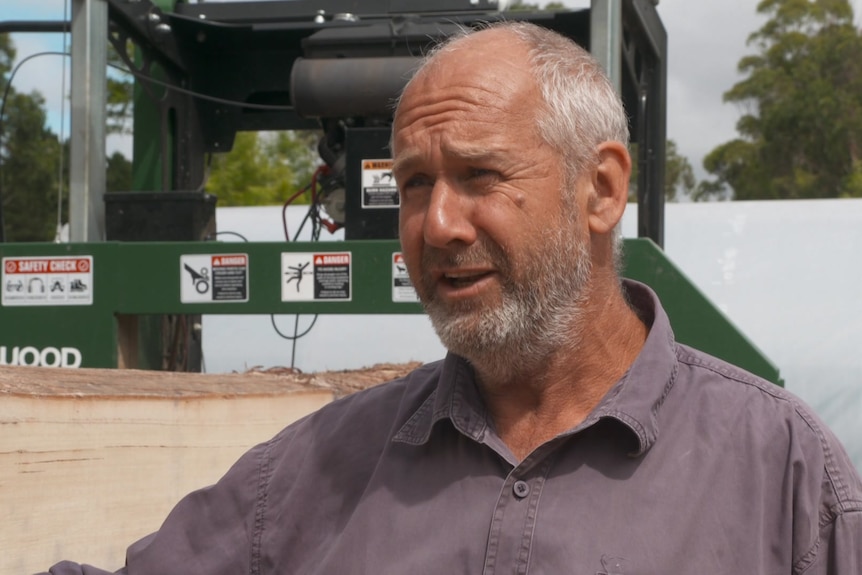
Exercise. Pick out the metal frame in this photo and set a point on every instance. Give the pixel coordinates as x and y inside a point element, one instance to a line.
<point>244,52</point>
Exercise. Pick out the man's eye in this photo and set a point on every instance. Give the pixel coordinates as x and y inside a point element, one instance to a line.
<point>416,182</point>
<point>482,176</point>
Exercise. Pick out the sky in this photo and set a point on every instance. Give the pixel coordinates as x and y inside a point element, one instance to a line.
<point>706,40</point>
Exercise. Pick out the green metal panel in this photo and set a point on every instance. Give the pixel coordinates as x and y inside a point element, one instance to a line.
<point>695,320</point>
<point>145,279</point>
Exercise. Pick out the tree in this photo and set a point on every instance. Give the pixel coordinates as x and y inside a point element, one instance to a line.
<point>118,176</point>
<point>263,168</point>
<point>802,134</point>
<point>28,162</point>
<point>679,180</point>
<point>32,196</point>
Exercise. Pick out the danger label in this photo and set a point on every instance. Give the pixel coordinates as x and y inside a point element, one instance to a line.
<point>214,278</point>
<point>378,185</point>
<point>65,280</point>
<point>316,276</point>
<point>402,287</point>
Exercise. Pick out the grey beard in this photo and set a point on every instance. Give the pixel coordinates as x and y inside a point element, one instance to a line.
<point>535,318</point>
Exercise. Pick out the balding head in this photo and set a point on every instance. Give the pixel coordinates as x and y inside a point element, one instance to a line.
<point>577,108</point>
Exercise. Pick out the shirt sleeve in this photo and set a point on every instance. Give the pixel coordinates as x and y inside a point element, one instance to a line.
<point>213,531</point>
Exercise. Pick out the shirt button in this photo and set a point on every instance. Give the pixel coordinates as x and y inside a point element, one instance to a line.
<point>521,489</point>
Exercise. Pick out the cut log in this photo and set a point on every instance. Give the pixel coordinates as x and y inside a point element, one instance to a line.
<point>92,460</point>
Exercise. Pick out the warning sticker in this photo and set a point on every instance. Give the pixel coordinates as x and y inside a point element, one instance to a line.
<point>324,276</point>
<point>214,278</point>
<point>402,287</point>
<point>64,280</point>
<point>378,185</point>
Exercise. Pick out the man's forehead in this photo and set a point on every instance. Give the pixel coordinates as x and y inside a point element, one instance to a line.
<point>416,157</point>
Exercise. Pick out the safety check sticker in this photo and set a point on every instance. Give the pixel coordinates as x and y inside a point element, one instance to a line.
<point>63,280</point>
<point>324,276</point>
<point>206,278</point>
<point>402,287</point>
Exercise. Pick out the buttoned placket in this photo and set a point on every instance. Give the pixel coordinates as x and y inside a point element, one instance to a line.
<point>513,522</point>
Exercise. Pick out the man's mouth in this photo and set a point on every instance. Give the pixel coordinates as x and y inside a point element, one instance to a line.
<point>464,279</point>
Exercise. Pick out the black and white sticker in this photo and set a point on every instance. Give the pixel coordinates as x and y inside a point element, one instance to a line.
<point>402,287</point>
<point>324,276</point>
<point>378,185</point>
<point>214,278</point>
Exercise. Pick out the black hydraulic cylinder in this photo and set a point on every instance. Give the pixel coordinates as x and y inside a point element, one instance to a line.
<point>343,87</point>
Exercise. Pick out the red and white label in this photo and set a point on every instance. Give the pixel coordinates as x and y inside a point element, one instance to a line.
<point>332,259</point>
<point>60,280</point>
<point>233,260</point>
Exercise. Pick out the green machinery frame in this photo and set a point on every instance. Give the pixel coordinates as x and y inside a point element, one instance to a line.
<point>131,280</point>
<point>207,48</point>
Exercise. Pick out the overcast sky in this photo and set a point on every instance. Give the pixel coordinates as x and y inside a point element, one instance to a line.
<point>706,40</point>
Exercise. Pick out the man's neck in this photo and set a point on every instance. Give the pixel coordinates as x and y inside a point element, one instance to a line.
<point>557,393</point>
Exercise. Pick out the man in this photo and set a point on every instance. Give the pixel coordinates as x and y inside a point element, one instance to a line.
<point>566,431</point>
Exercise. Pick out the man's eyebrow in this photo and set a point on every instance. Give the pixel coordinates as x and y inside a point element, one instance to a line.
<point>404,162</point>
<point>463,153</point>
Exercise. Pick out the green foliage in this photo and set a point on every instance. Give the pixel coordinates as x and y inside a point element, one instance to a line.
<point>118,176</point>
<point>263,168</point>
<point>119,95</point>
<point>802,134</point>
<point>679,180</point>
<point>29,171</point>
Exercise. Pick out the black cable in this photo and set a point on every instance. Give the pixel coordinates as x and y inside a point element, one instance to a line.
<point>302,225</point>
<point>313,215</point>
<point>237,234</point>
<point>200,95</point>
<point>147,78</point>
<point>296,336</point>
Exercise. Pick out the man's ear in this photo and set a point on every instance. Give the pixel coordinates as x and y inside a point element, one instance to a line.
<point>610,187</point>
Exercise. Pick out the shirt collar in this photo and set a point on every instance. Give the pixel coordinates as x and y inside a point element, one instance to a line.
<point>637,397</point>
<point>455,398</point>
<point>633,401</point>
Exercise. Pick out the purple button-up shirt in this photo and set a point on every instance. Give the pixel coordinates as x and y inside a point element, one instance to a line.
<point>688,466</point>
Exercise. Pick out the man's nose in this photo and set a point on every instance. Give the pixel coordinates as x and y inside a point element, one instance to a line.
<point>449,217</point>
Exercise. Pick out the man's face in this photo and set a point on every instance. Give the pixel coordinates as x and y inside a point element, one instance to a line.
<point>490,234</point>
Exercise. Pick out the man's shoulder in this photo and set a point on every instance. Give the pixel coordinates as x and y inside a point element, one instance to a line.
<point>704,368</point>
<point>707,380</point>
<point>770,422</point>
